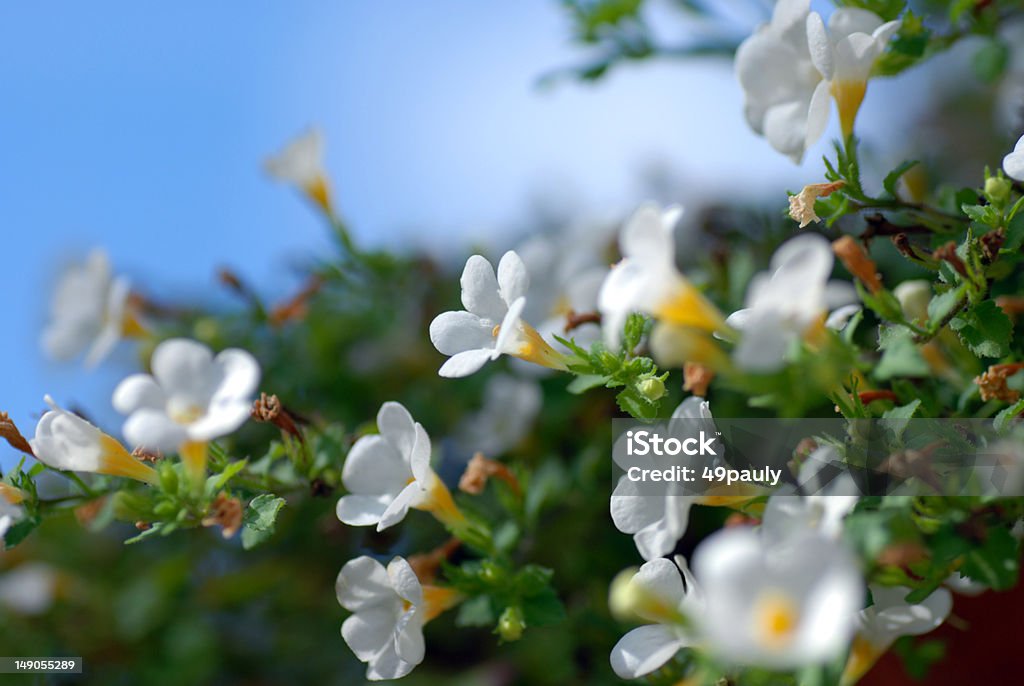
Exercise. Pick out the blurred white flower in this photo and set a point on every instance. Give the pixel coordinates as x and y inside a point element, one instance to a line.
<point>565,277</point>
<point>1013,163</point>
<point>657,520</point>
<point>66,441</point>
<point>28,589</point>
<point>10,514</point>
<point>788,303</point>
<point>301,163</point>
<point>655,594</point>
<point>510,408</point>
<point>492,324</point>
<point>820,507</point>
<point>646,280</point>
<point>789,67</point>
<point>191,397</point>
<point>389,610</point>
<point>845,54</point>
<point>889,618</point>
<point>388,473</point>
<point>89,312</point>
<point>958,583</point>
<point>776,609</point>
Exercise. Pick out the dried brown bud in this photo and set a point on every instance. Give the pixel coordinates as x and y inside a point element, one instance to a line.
<point>947,253</point>
<point>143,526</point>
<point>86,513</point>
<point>268,409</point>
<point>425,565</point>
<point>697,378</point>
<point>226,513</point>
<point>992,384</point>
<point>1012,305</point>
<point>10,433</point>
<point>297,307</point>
<point>991,243</point>
<point>145,455</point>
<point>801,205</point>
<point>480,469</point>
<point>857,262</point>
<point>574,320</point>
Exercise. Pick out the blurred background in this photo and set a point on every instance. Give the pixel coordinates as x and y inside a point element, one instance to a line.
<point>142,128</point>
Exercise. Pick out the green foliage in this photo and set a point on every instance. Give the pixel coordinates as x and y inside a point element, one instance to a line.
<point>260,519</point>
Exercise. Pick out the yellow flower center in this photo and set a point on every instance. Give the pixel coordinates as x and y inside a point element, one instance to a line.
<point>775,619</point>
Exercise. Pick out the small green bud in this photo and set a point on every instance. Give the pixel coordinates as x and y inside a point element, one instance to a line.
<point>997,189</point>
<point>914,296</point>
<point>165,509</point>
<point>511,624</point>
<point>651,388</point>
<point>168,478</point>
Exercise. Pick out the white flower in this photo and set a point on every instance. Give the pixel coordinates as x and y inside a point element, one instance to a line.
<point>821,508</point>
<point>29,588</point>
<point>655,593</point>
<point>389,610</point>
<point>789,303</point>
<point>772,609</point>
<point>565,277</point>
<point>491,325</point>
<point>301,163</point>
<point>1013,163</point>
<point>510,407</point>
<point>389,472</point>
<point>192,397</point>
<point>89,312</point>
<point>10,514</point>
<point>66,441</point>
<point>658,520</point>
<point>790,67</point>
<point>646,280</point>
<point>889,618</point>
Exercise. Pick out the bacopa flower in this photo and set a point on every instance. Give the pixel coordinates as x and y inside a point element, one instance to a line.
<point>388,473</point>
<point>389,608</point>
<point>1013,163</point>
<point>646,280</point>
<point>191,398</point>
<point>776,609</point>
<point>658,520</point>
<point>10,514</point>
<point>654,594</point>
<point>888,618</point>
<point>29,589</point>
<point>90,312</point>
<point>492,323</point>
<point>301,163</point>
<point>510,407</point>
<point>66,441</point>
<point>791,66</point>
<point>789,303</point>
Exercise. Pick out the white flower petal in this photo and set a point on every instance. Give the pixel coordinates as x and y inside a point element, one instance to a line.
<point>403,580</point>
<point>397,427</point>
<point>153,430</point>
<point>374,467</point>
<point>508,335</point>
<point>388,665</point>
<point>465,363</point>
<point>419,455</point>
<point>184,367</point>
<point>220,420</point>
<point>362,510</point>
<point>785,128</point>
<point>644,650</point>
<point>818,113</point>
<point>409,637</point>
<point>399,507</point>
<point>363,583</point>
<point>138,391</point>
<point>513,279</point>
<point>1013,163</point>
<point>480,289</point>
<point>820,45</point>
<point>368,631</point>
<point>456,332</point>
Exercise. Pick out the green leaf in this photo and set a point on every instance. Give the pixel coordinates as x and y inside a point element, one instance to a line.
<point>1014,233</point>
<point>997,562</point>
<point>153,530</point>
<point>259,519</point>
<point>941,306</point>
<point>633,331</point>
<point>898,418</point>
<point>585,382</point>
<point>893,177</point>
<point>477,611</point>
<point>218,481</point>
<point>543,609</point>
<point>901,356</point>
<point>984,329</point>
<point>635,405</point>
<point>1005,416</point>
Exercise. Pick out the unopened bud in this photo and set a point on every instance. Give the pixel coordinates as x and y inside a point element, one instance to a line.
<point>914,297</point>
<point>997,189</point>
<point>511,623</point>
<point>652,388</point>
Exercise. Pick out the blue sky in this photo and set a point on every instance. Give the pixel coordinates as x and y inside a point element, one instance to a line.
<point>141,127</point>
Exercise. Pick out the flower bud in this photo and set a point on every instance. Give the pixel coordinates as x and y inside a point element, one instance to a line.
<point>652,388</point>
<point>511,623</point>
<point>914,297</point>
<point>997,189</point>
